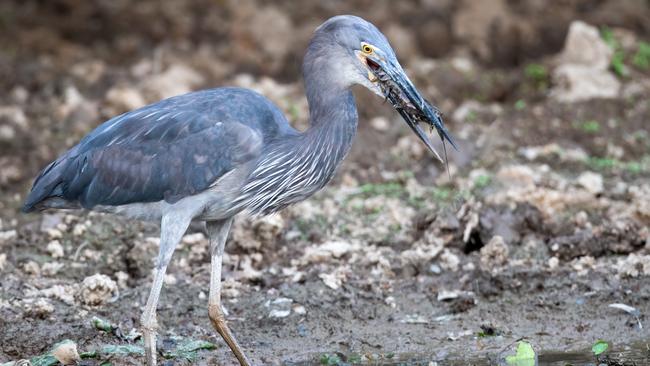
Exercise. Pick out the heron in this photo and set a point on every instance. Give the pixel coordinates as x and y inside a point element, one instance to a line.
<point>213,154</point>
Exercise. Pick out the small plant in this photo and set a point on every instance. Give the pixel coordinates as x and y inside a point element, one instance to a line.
<point>524,356</point>
<point>482,181</point>
<point>599,347</point>
<point>471,116</point>
<point>330,360</point>
<point>602,163</point>
<point>520,104</point>
<point>386,189</point>
<point>641,58</point>
<point>591,126</point>
<point>618,58</point>
<point>536,72</point>
<point>441,194</point>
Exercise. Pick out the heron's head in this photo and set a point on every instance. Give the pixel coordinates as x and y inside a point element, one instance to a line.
<point>347,50</point>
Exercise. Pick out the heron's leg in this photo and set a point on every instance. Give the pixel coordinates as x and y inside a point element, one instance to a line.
<point>218,232</point>
<point>172,229</point>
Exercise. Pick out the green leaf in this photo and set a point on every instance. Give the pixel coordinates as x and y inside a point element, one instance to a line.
<point>520,104</point>
<point>642,57</point>
<point>44,360</point>
<point>329,360</point>
<point>102,324</point>
<point>188,348</point>
<point>599,347</point>
<point>525,355</point>
<point>122,349</point>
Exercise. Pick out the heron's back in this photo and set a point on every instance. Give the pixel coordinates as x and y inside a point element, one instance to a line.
<point>164,151</point>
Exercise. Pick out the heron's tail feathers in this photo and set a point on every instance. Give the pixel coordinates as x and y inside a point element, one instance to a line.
<point>47,188</point>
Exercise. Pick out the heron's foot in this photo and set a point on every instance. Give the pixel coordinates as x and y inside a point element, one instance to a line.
<point>149,334</point>
<point>219,323</point>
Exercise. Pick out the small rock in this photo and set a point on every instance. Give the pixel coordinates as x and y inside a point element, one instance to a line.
<point>97,290</point>
<point>39,308</point>
<point>552,151</point>
<point>579,83</point>
<point>553,262</point>
<point>592,182</point>
<point>32,268</point>
<point>380,124</point>
<point>79,229</point>
<point>585,46</point>
<point>463,64</point>
<point>269,228</point>
<point>422,252</point>
<point>327,251</point>
<point>254,234</point>
<point>66,353</point>
<point>124,98</point>
<point>517,175</point>
<point>299,309</point>
<point>334,280</point>
<point>280,307</point>
<point>445,295</point>
<point>54,233</point>
<point>195,238</point>
<point>390,301</point>
<point>495,253</point>
<point>583,73</point>
<point>55,249</point>
<point>59,292</point>
<point>170,279</point>
<point>449,261</point>
<point>177,79</point>
<point>122,278</point>
<point>634,265</point>
<point>5,236</point>
<point>51,268</point>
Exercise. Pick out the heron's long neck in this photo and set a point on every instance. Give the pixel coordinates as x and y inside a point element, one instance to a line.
<point>333,119</point>
<point>297,167</point>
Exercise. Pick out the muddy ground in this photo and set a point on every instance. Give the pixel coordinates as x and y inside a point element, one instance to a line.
<point>541,224</point>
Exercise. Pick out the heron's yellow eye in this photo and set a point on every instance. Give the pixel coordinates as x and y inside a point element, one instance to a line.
<point>367,49</point>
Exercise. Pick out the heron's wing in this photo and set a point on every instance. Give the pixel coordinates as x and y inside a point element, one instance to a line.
<point>165,151</point>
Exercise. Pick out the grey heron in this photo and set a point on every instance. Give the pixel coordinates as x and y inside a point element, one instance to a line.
<point>212,154</point>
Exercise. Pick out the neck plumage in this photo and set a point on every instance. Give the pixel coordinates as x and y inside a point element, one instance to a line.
<point>300,166</point>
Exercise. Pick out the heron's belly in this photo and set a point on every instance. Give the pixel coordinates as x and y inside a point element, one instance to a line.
<point>203,206</point>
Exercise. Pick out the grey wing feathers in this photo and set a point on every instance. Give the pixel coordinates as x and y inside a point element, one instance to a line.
<point>164,151</point>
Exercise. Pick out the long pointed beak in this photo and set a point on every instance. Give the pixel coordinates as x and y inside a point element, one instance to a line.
<point>409,103</point>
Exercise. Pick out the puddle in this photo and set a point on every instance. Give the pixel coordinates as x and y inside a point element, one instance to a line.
<point>636,354</point>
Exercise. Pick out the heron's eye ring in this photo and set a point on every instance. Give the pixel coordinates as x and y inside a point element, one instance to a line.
<point>367,49</point>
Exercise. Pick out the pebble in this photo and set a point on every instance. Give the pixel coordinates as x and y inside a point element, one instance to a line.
<point>5,236</point>
<point>380,124</point>
<point>32,268</point>
<point>280,307</point>
<point>97,289</point>
<point>494,253</point>
<point>449,261</point>
<point>66,353</point>
<point>592,182</point>
<point>55,249</point>
<point>124,98</point>
<point>39,308</point>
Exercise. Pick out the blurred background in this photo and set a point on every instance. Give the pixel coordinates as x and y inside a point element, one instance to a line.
<point>549,101</point>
